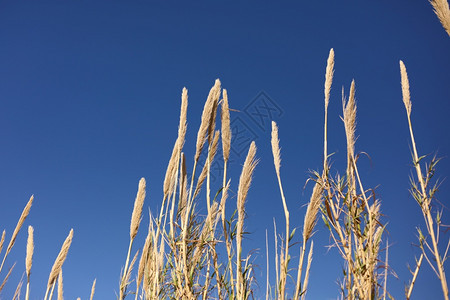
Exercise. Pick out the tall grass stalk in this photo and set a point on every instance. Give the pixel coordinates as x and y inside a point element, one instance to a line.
<point>424,194</point>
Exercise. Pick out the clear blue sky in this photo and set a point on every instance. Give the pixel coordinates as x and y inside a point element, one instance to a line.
<point>89,103</point>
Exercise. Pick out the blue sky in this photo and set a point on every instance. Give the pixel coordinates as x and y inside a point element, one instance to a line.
<point>89,103</point>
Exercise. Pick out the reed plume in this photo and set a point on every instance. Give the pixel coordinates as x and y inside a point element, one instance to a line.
<point>207,116</point>
<point>60,259</point>
<point>329,71</point>
<point>29,259</point>
<point>22,218</point>
<point>137,210</point>
<point>310,220</point>
<point>405,88</point>
<point>226,131</point>
<point>442,11</point>
<point>244,185</point>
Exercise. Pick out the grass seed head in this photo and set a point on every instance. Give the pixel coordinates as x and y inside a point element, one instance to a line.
<point>56,269</point>
<point>30,250</point>
<point>405,88</point>
<point>226,131</point>
<point>329,77</point>
<point>137,210</point>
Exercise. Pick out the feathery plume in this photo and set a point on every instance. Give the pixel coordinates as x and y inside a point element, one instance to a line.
<point>171,170</point>
<point>329,76</point>
<point>246,178</point>
<point>183,117</point>
<point>405,88</point>
<point>350,119</point>
<point>276,148</point>
<point>226,131</point>
<point>207,115</point>
<point>137,210</point>
<point>22,218</point>
<point>30,249</point>
<point>56,269</point>
<point>311,212</point>
<point>143,259</point>
<point>442,11</point>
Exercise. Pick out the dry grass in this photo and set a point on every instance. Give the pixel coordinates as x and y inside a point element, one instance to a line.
<point>181,258</point>
<point>442,11</point>
<point>189,256</point>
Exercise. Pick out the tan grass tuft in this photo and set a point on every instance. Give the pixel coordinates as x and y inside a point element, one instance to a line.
<point>311,212</point>
<point>226,131</point>
<point>405,88</point>
<point>246,179</point>
<point>182,127</point>
<point>207,115</point>
<point>22,218</point>
<point>171,170</point>
<point>137,210</point>
<point>244,185</point>
<point>30,250</point>
<point>143,259</point>
<point>329,76</point>
<point>276,148</point>
<point>56,269</point>
<point>442,11</point>
<point>350,120</point>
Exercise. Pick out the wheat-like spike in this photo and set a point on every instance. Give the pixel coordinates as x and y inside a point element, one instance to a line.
<point>442,11</point>
<point>30,250</point>
<point>329,77</point>
<point>405,88</point>
<point>276,148</point>
<point>60,260</point>
<point>171,170</point>
<point>311,212</point>
<point>22,218</point>
<point>60,286</point>
<point>244,185</point>
<point>183,117</point>
<point>93,289</point>
<point>212,121</point>
<point>143,259</point>
<point>137,210</point>
<point>350,120</point>
<point>226,130</point>
<point>246,179</point>
<point>207,115</point>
